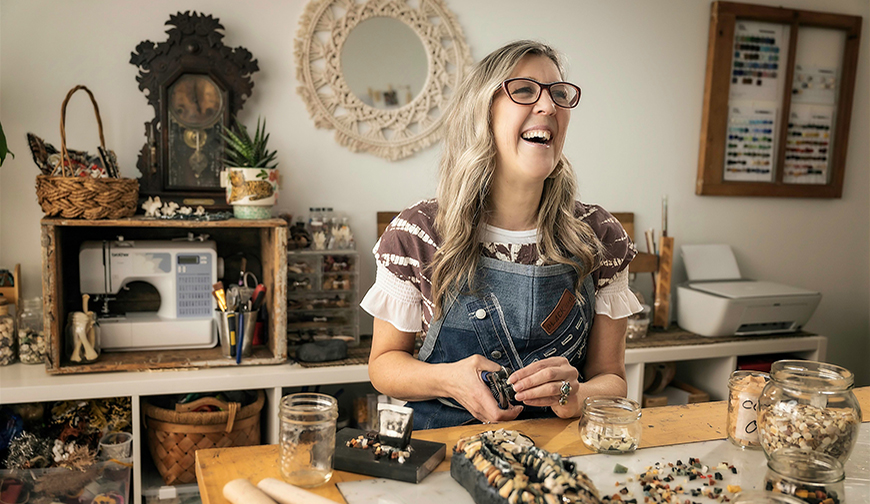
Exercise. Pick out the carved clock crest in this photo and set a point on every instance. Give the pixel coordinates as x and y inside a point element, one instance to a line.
<point>196,85</point>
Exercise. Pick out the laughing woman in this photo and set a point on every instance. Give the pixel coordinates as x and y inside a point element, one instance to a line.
<point>505,268</point>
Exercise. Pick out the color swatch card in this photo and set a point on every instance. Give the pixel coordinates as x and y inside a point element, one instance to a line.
<point>814,85</point>
<point>758,58</point>
<point>808,144</point>
<point>749,149</point>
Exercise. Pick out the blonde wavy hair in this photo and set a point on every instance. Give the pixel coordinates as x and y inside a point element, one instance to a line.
<point>465,176</point>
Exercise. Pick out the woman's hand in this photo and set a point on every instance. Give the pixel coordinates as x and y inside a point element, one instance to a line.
<point>468,389</point>
<point>540,384</point>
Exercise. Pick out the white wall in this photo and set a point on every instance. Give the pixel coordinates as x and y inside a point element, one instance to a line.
<point>633,138</point>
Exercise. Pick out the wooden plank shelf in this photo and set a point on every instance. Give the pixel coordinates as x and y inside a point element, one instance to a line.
<point>265,240</point>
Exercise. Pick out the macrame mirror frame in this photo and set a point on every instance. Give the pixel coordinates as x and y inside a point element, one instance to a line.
<point>391,134</point>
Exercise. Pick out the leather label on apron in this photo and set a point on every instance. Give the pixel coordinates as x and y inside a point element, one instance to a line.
<point>559,313</point>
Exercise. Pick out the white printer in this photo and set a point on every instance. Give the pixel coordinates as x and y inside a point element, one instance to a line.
<point>716,301</point>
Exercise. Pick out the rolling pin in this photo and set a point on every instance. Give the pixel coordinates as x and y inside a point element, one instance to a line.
<point>242,491</point>
<point>285,493</point>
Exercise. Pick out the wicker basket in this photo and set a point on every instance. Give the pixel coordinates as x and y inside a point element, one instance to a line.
<point>85,197</point>
<point>174,436</point>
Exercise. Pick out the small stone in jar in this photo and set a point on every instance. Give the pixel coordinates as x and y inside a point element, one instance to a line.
<point>609,438</point>
<point>31,346</point>
<point>7,341</point>
<point>809,428</point>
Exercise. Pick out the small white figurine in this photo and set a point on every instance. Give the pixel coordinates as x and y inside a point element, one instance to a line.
<point>169,209</point>
<point>152,206</point>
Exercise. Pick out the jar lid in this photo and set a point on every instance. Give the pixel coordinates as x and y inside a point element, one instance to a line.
<point>806,466</point>
<point>811,375</point>
<point>611,409</point>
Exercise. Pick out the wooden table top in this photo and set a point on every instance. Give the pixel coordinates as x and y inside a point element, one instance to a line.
<point>662,426</point>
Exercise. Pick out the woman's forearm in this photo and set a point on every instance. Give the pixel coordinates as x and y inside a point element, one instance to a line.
<point>398,374</point>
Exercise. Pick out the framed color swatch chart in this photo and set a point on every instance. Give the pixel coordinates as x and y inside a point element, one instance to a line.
<point>777,101</point>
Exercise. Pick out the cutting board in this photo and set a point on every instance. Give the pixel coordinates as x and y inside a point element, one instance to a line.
<point>425,457</point>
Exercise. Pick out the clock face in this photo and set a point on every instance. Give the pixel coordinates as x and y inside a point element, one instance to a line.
<point>196,109</point>
<point>195,101</point>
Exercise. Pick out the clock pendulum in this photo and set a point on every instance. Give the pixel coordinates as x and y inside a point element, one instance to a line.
<point>195,139</point>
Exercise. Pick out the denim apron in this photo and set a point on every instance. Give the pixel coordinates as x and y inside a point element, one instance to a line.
<point>520,314</point>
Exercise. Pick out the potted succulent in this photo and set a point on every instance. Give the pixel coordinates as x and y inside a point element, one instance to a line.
<point>251,172</point>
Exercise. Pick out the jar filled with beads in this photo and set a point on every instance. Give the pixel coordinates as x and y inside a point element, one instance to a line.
<point>809,406</point>
<point>810,476</point>
<point>744,389</point>
<point>8,347</point>
<point>31,336</point>
<point>610,424</point>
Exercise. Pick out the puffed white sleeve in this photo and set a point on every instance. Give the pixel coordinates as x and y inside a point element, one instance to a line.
<point>615,299</point>
<point>395,301</point>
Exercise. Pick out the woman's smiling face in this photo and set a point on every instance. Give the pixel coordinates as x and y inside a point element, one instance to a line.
<point>529,138</point>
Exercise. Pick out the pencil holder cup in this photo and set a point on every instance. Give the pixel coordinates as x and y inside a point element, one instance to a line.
<point>228,332</point>
<point>116,445</point>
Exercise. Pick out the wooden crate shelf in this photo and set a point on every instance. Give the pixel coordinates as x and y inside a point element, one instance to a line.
<point>61,239</point>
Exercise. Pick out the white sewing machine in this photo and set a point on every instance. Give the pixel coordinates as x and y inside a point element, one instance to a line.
<point>183,273</point>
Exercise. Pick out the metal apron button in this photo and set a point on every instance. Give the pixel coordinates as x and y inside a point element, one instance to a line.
<point>495,354</point>
<point>480,314</point>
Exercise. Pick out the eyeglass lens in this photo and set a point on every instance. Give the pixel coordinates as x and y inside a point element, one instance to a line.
<point>527,92</point>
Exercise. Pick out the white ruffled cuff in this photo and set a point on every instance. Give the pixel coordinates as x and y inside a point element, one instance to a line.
<point>616,300</point>
<point>395,301</point>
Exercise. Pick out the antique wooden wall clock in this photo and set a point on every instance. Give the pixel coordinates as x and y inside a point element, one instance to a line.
<point>196,85</point>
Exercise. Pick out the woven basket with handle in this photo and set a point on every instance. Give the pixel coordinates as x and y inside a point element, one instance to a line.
<point>61,194</point>
<point>174,436</point>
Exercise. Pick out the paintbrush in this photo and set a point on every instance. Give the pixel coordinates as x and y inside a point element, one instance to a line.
<point>220,295</point>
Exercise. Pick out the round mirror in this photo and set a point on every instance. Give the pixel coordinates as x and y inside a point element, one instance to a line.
<point>384,63</point>
<point>380,84</point>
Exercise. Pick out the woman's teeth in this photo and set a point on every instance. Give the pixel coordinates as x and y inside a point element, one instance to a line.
<point>537,136</point>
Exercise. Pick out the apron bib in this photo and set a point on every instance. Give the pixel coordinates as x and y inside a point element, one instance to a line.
<point>521,314</point>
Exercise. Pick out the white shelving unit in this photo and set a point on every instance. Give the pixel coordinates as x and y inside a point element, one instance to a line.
<point>708,365</point>
<point>20,383</point>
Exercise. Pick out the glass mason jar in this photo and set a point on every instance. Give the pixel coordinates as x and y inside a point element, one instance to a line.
<point>8,352</point>
<point>809,406</point>
<point>764,497</point>
<point>744,389</point>
<point>810,476</point>
<point>307,446</point>
<point>82,335</point>
<point>31,337</point>
<point>610,424</point>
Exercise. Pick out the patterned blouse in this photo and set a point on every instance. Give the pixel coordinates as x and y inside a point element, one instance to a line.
<point>402,291</point>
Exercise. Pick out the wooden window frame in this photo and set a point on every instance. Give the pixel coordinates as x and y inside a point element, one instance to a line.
<point>720,51</point>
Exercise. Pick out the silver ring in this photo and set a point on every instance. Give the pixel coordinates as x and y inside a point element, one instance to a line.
<point>564,392</point>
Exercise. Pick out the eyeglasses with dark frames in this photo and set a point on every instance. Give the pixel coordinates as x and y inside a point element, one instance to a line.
<point>523,91</point>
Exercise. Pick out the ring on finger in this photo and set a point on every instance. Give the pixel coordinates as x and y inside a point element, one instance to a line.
<point>564,392</point>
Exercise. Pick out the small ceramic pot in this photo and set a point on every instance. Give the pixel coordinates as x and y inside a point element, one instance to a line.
<point>252,191</point>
